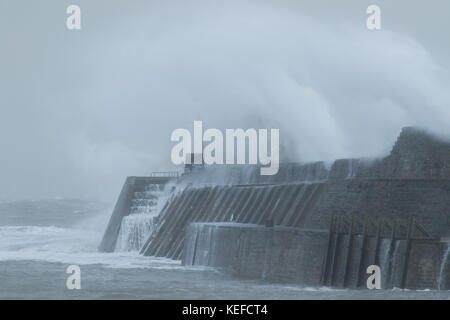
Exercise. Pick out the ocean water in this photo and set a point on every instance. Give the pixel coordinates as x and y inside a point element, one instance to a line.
<point>40,239</point>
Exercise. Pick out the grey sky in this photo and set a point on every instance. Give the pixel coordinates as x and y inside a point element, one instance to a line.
<point>80,110</point>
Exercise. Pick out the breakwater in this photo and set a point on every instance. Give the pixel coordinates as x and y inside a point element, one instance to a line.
<point>301,203</point>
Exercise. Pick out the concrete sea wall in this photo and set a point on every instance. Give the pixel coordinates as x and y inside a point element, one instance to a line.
<point>256,252</point>
<point>304,205</point>
<point>285,205</point>
<point>305,256</point>
<point>300,202</point>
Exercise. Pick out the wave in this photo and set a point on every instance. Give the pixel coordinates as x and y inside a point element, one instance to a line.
<point>69,246</point>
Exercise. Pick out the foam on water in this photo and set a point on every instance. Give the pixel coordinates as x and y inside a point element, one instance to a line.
<point>71,246</point>
<point>79,246</point>
<point>46,246</point>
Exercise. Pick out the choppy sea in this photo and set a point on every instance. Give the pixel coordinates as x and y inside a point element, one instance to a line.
<point>39,239</point>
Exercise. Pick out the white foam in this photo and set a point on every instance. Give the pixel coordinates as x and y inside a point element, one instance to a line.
<point>71,246</point>
<point>309,289</point>
<point>134,230</point>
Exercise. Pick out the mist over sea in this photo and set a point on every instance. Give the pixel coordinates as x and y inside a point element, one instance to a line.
<point>39,239</point>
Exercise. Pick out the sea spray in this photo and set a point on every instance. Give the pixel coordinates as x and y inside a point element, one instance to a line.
<point>443,272</point>
<point>134,230</point>
<point>142,220</point>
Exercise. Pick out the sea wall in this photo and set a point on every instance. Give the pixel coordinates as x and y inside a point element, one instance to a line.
<point>412,181</point>
<point>426,199</point>
<point>257,252</point>
<point>251,174</point>
<point>416,154</point>
<point>285,205</point>
<point>311,257</point>
<point>304,205</point>
<point>424,265</point>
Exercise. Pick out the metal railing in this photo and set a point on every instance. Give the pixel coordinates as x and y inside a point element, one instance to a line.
<point>165,174</point>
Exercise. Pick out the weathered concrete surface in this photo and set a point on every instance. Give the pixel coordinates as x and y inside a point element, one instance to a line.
<point>427,199</point>
<point>303,206</point>
<point>256,252</point>
<point>424,265</point>
<point>285,254</point>
<point>285,205</point>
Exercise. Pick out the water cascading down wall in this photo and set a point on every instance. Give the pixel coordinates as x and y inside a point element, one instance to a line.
<point>216,216</point>
<point>135,213</point>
